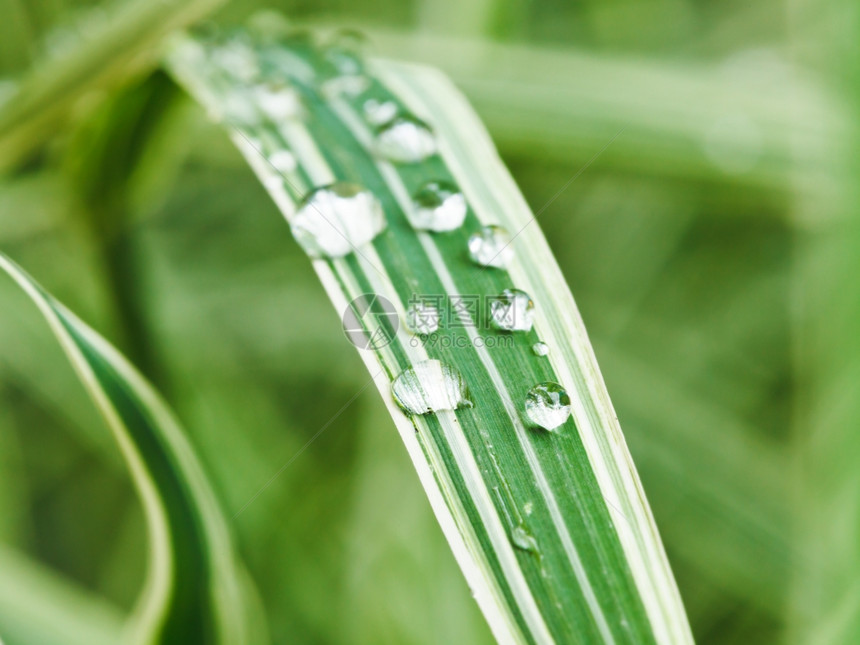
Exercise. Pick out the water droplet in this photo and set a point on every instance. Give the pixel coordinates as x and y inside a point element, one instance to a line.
<point>278,101</point>
<point>528,507</point>
<point>422,318</point>
<point>430,386</point>
<point>540,349</point>
<point>345,51</point>
<point>524,540</point>
<point>345,63</point>
<point>379,112</point>
<point>333,220</point>
<point>512,311</point>
<point>349,85</point>
<point>283,161</point>
<point>236,108</point>
<point>490,247</point>
<point>405,139</point>
<point>438,206</point>
<point>548,405</point>
<point>345,67</point>
<point>237,60</point>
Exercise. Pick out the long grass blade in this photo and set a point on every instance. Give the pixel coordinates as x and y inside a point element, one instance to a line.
<point>39,606</point>
<point>551,529</point>
<point>196,590</point>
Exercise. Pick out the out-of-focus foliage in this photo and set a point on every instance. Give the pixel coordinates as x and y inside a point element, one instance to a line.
<point>721,307</point>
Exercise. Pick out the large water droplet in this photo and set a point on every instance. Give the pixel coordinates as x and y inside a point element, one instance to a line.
<point>422,318</point>
<point>430,386</point>
<point>438,206</point>
<point>405,139</point>
<point>333,220</point>
<point>548,405</point>
<point>540,349</point>
<point>524,540</point>
<point>490,247</point>
<point>512,311</point>
<point>379,112</point>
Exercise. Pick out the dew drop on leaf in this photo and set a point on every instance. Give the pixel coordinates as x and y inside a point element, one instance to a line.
<point>405,139</point>
<point>283,161</point>
<point>524,540</point>
<point>278,102</point>
<point>379,112</point>
<point>332,220</point>
<point>540,349</point>
<point>490,247</point>
<point>344,64</point>
<point>548,405</point>
<point>237,60</point>
<point>430,386</point>
<point>438,206</point>
<point>512,311</point>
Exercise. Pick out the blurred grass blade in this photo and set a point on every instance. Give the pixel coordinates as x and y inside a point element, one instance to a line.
<point>196,590</point>
<point>39,606</point>
<point>126,44</point>
<point>551,529</point>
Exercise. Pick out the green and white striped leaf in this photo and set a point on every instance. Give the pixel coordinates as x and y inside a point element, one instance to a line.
<point>196,590</point>
<point>551,529</point>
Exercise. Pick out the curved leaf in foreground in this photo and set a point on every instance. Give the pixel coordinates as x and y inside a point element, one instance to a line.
<point>196,590</point>
<point>551,529</point>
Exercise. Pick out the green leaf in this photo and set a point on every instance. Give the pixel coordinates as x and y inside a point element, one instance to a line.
<point>196,589</point>
<point>38,606</point>
<point>551,529</point>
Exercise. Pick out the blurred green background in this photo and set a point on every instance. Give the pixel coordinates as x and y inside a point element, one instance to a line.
<point>712,249</point>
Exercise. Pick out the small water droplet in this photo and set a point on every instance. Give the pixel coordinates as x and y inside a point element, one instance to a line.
<point>345,65</point>
<point>490,247</point>
<point>405,139</point>
<point>237,60</point>
<point>540,349</point>
<point>273,182</point>
<point>438,206</point>
<point>283,161</point>
<point>379,112</point>
<point>528,508</point>
<point>548,405</point>
<point>236,108</point>
<point>524,540</point>
<point>349,85</point>
<point>512,311</point>
<point>350,44</point>
<point>278,101</point>
<point>422,318</point>
<point>430,386</point>
<point>332,220</point>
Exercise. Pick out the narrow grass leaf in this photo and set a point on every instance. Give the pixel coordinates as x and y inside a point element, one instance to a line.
<point>389,182</point>
<point>196,590</point>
